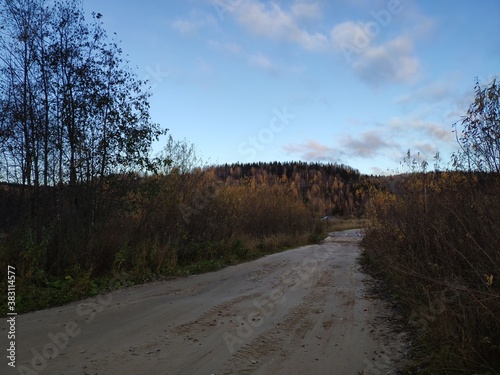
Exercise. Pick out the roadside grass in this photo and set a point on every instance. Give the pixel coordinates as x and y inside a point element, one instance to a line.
<point>41,292</point>
<point>38,290</point>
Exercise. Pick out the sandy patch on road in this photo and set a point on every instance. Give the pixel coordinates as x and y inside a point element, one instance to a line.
<point>306,310</point>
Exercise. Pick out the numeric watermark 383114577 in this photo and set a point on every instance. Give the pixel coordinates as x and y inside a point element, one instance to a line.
<point>11,315</point>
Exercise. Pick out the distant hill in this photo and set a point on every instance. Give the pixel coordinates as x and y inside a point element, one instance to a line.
<point>331,189</point>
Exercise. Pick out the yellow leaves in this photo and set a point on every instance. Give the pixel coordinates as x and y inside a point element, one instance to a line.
<point>380,203</point>
<point>489,279</point>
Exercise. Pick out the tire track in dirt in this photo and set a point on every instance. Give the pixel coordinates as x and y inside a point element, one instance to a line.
<point>277,343</point>
<point>272,343</point>
<point>211,316</point>
<point>258,275</point>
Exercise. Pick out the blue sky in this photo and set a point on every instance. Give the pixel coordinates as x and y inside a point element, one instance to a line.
<point>357,82</point>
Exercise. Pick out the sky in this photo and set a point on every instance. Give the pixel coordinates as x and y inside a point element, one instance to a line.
<point>356,82</point>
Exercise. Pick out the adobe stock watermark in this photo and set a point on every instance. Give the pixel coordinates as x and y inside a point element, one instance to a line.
<point>255,144</point>
<point>156,76</point>
<point>223,6</point>
<point>57,342</point>
<point>301,276</point>
<point>371,29</point>
<point>201,200</point>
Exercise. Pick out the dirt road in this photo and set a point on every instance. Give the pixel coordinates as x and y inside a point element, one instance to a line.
<point>307,310</point>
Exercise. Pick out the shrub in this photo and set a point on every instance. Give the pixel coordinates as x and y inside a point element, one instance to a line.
<point>437,240</point>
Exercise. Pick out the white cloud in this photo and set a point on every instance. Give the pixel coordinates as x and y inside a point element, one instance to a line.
<point>459,106</point>
<point>394,61</point>
<point>262,61</point>
<point>391,62</point>
<point>185,27</point>
<point>431,93</point>
<point>306,10</point>
<point>426,148</point>
<point>380,47</point>
<point>314,151</point>
<point>350,36</point>
<point>257,60</point>
<point>192,25</point>
<point>367,144</point>
<point>271,21</point>
<point>377,171</point>
<point>431,130</point>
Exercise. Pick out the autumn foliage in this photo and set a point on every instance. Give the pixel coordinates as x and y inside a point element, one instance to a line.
<point>435,238</point>
<point>174,221</point>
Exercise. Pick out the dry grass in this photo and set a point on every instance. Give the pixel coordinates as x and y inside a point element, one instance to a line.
<point>340,224</point>
<point>436,239</point>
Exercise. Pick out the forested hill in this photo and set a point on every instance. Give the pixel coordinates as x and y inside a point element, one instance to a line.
<point>329,189</point>
<point>286,169</point>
